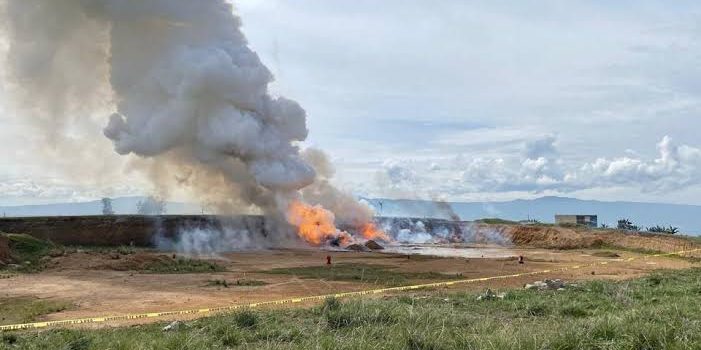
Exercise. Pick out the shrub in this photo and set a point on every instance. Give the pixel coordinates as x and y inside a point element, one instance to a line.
<point>625,224</point>
<point>537,310</point>
<point>246,319</point>
<point>574,311</point>
<point>661,229</point>
<point>331,303</point>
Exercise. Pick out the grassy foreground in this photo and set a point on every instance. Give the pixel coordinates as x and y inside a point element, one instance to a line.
<point>23,310</point>
<point>657,312</point>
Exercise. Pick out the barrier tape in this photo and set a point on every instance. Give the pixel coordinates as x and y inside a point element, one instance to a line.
<point>37,325</point>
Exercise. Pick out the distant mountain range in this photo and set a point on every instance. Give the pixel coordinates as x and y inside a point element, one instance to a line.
<point>686,217</point>
<point>121,205</point>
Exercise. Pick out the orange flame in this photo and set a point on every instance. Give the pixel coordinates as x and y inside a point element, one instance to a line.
<point>344,239</point>
<point>315,224</point>
<point>370,231</point>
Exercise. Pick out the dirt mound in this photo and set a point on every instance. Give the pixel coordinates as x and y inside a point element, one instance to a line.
<point>128,262</point>
<point>373,245</point>
<point>95,260</point>
<point>5,253</point>
<point>116,230</point>
<point>357,248</point>
<point>553,237</point>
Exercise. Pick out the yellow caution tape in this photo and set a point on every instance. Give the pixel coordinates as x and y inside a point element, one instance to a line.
<point>36,325</point>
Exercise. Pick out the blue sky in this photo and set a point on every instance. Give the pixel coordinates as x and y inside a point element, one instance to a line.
<point>470,100</point>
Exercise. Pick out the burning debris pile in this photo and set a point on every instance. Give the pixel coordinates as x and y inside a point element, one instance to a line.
<point>316,226</point>
<point>189,103</point>
<point>426,230</point>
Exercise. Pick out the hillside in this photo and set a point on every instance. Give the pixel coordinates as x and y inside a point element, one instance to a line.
<point>121,206</point>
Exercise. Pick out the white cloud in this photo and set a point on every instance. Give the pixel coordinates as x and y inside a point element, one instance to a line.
<point>15,191</point>
<point>675,168</point>
<point>540,169</point>
<point>479,99</point>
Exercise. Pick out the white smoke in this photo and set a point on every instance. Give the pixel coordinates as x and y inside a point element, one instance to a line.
<point>440,231</point>
<point>347,210</point>
<point>187,82</point>
<point>182,77</point>
<point>188,95</point>
<point>406,236</point>
<point>208,241</point>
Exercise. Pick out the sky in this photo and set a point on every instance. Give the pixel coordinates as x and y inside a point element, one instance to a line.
<point>464,100</point>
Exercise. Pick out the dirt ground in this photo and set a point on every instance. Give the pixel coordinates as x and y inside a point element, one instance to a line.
<point>92,281</point>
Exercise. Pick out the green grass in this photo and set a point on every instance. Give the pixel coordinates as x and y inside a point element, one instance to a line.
<point>496,221</point>
<point>643,251</point>
<point>24,310</point>
<point>182,265</point>
<point>656,312</point>
<point>366,273</point>
<point>121,250</point>
<point>28,251</point>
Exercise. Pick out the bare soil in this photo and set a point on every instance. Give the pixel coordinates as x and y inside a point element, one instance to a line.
<point>98,285</point>
<point>554,237</point>
<point>102,282</point>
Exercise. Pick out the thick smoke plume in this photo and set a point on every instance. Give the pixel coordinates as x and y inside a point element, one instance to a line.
<point>187,95</point>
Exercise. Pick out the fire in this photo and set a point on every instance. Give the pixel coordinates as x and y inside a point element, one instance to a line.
<point>370,231</point>
<point>315,224</point>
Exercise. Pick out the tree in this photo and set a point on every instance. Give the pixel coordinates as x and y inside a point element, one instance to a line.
<point>151,206</point>
<point>107,206</point>
<point>625,224</point>
<point>661,229</point>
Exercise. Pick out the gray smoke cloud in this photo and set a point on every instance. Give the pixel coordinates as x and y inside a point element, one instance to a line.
<point>187,82</point>
<point>348,211</point>
<point>183,93</point>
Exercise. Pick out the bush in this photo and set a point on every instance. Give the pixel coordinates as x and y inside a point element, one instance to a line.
<point>9,339</point>
<point>79,344</point>
<point>358,314</point>
<point>331,303</point>
<point>246,319</point>
<point>537,310</point>
<point>182,265</point>
<point>28,251</point>
<point>625,224</point>
<point>574,311</point>
<point>661,229</point>
<point>417,342</point>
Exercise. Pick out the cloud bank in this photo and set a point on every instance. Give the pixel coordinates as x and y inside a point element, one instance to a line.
<point>540,168</point>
